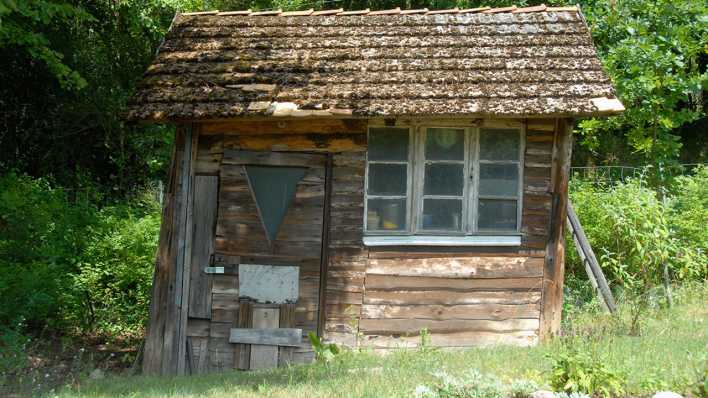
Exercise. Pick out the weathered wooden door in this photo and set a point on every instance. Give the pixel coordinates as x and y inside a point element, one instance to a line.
<point>265,269</point>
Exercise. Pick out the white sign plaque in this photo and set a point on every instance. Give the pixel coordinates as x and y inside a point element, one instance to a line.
<point>268,283</point>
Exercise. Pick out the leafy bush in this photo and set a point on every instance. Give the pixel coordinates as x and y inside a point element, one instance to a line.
<point>474,384</point>
<point>688,212</point>
<point>579,372</point>
<point>323,351</point>
<point>115,273</point>
<point>66,266</point>
<point>631,231</point>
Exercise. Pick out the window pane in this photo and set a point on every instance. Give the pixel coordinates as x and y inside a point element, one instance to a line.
<point>387,179</point>
<point>442,214</point>
<point>444,179</point>
<point>445,144</point>
<point>386,215</point>
<point>498,144</point>
<point>497,215</point>
<point>499,180</point>
<point>388,144</point>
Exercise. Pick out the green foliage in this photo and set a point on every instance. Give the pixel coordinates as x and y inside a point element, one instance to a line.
<point>323,352</point>
<point>688,209</point>
<point>67,266</point>
<point>632,232</point>
<point>115,274</point>
<point>579,371</point>
<point>652,51</point>
<point>473,384</point>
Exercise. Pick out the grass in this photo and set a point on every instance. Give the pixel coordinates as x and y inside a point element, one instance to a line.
<point>669,353</point>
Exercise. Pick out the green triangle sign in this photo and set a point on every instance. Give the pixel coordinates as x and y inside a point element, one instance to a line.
<point>274,189</point>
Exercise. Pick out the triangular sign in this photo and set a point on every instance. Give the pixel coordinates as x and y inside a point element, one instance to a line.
<point>273,189</point>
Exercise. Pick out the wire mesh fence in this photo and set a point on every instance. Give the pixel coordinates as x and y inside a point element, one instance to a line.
<point>608,175</point>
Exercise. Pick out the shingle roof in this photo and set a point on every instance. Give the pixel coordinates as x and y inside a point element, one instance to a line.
<point>489,62</point>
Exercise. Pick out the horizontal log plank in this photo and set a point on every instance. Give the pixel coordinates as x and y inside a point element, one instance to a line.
<point>413,327</point>
<point>265,336</point>
<point>410,297</point>
<point>460,339</point>
<point>479,267</point>
<point>447,312</point>
<point>390,282</point>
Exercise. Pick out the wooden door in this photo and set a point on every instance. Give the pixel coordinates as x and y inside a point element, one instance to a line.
<point>270,218</point>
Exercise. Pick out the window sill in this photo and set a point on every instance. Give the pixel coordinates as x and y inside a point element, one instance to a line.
<point>478,240</point>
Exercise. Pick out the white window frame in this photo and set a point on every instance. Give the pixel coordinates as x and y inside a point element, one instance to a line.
<point>469,235</point>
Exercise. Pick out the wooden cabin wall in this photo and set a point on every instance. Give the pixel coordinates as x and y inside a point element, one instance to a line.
<point>383,297</point>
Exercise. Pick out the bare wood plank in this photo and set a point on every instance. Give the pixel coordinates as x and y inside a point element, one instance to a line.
<point>555,248</point>
<point>245,320</point>
<point>287,320</point>
<point>380,253</point>
<point>390,282</point>
<point>300,142</point>
<point>459,339</point>
<point>451,298</point>
<point>479,267</point>
<point>160,297</point>
<point>184,254</point>
<point>592,267</point>
<point>413,327</point>
<point>198,327</point>
<point>264,356</point>
<point>199,354</point>
<point>445,312</point>
<point>297,126</point>
<point>324,251</point>
<point>277,336</point>
<point>206,189</point>
<point>235,157</point>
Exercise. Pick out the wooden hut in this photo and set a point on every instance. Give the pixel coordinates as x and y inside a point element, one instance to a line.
<point>363,175</point>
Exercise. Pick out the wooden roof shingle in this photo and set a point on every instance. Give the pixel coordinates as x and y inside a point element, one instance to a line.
<point>511,62</point>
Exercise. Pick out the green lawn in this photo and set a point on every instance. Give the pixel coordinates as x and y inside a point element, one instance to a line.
<point>669,353</point>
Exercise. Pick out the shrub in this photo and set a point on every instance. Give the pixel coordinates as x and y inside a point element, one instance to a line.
<point>66,266</point>
<point>579,372</point>
<point>115,273</point>
<point>474,384</point>
<point>688,212</point>
<point>630,230</point>
<point>41,240</point>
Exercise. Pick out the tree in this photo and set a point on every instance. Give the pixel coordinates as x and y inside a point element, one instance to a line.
<point>654,52</point>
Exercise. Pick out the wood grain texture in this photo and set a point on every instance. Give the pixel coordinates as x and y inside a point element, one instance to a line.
<point>413,327</point>
<point>264,356</point>
<point>468,267</point>
<point>457,339</point>
<point>205,191</point>
<point>553,269</point>
<point>443,312</point>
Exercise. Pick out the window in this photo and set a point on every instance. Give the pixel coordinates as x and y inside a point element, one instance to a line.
<point>443,181</point>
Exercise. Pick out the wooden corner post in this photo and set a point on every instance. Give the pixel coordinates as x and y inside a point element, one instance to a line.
<point>165,342</point>
<point>554,266</point>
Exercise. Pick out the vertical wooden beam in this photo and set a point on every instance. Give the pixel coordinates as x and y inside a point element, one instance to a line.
<point>554,266</point>
<point>165,348</point>
<point>324,254</point>
<point>155,336</point>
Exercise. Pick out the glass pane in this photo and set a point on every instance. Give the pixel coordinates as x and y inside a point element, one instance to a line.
<point>499,144</point>
<point>497,215</point>
<point>274,189</point>
<point>386,215</point>
<point>387,179</point>
<point>444,179</point>
<point>388,143</point>
<point>445,144</point>
<point>498,180</point>
<point>442,214</point>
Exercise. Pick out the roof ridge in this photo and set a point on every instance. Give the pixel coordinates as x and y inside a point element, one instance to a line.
<point>394,11</point>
